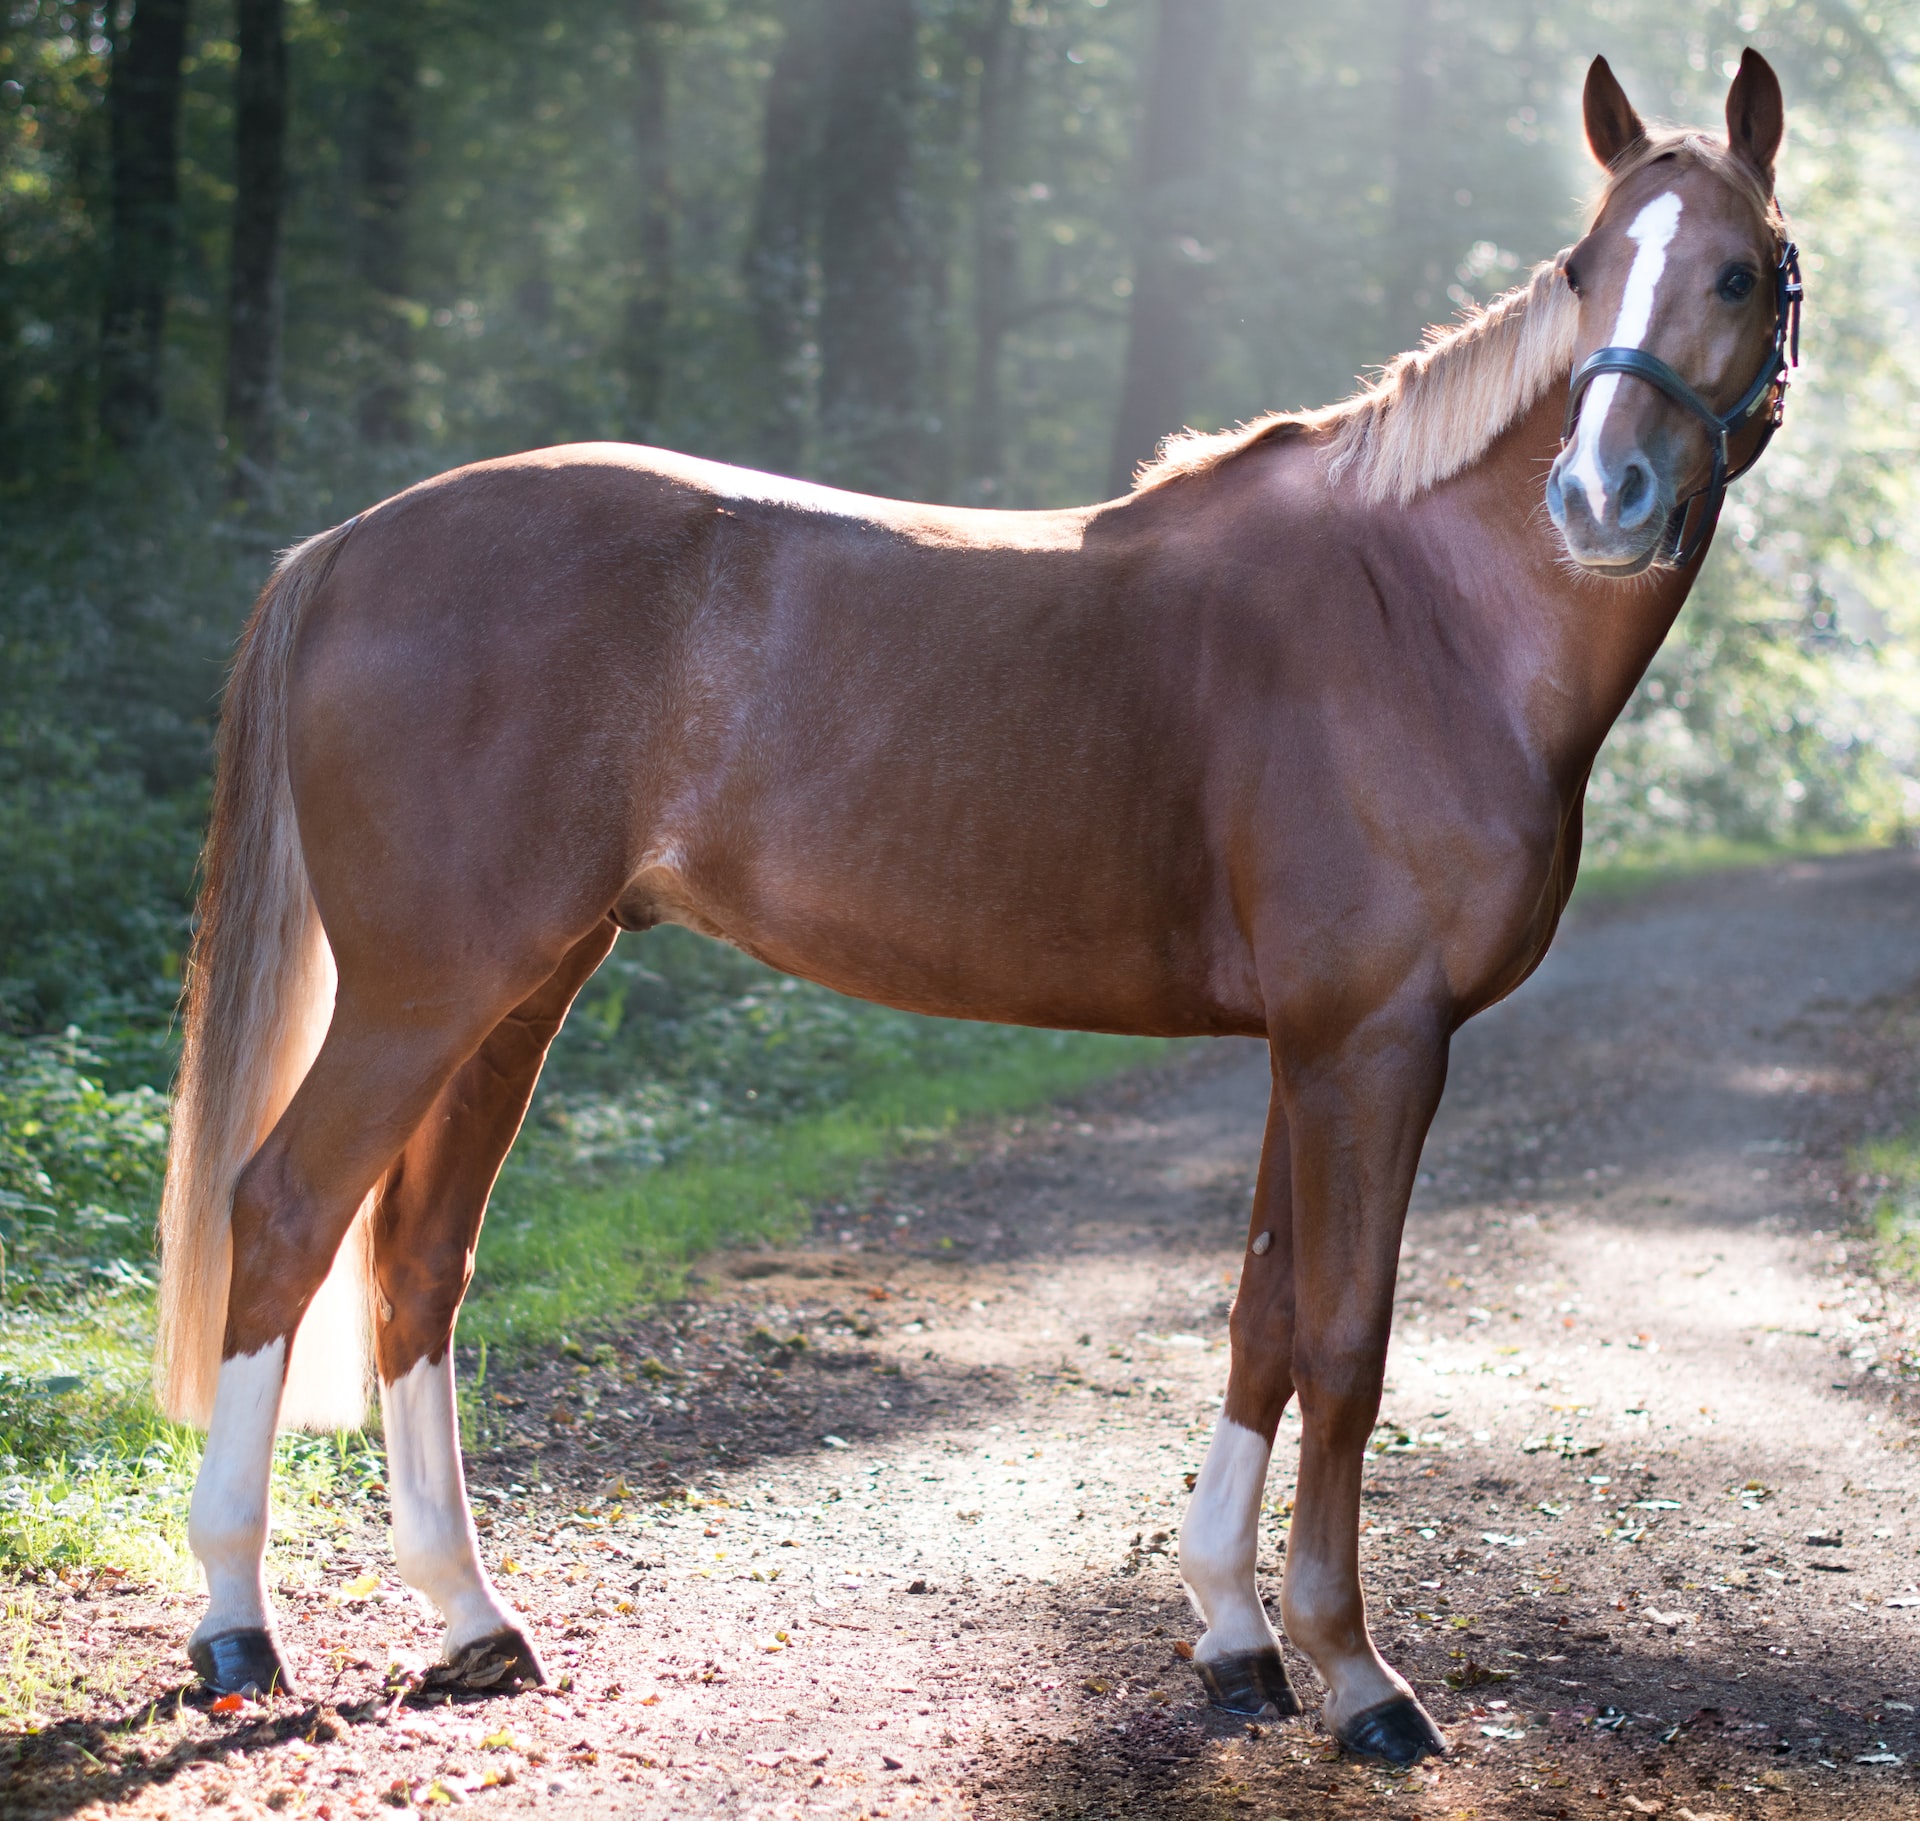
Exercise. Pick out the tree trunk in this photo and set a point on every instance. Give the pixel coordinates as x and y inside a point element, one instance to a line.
<point>869,350</point>
<point>779,250</point>
<point>259,200</point>
<point>644,353</point>
<point>392,52</point>
<point>1416,274</point>
<point>1175,214</point>
<point>143,123</point>
<point>996,241</point>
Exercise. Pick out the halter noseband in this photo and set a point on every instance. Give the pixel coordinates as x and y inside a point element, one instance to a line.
<point>1768,393</point>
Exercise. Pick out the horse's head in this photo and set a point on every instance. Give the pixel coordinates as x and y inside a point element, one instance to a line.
<point>1685,285</point>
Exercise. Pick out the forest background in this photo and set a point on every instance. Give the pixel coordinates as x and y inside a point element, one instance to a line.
<point>263,262</point>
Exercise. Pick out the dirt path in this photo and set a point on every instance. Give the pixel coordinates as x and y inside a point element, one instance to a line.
<point>939,1454</point>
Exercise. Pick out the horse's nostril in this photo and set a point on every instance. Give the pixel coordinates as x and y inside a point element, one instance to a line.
<point>1636,493</point>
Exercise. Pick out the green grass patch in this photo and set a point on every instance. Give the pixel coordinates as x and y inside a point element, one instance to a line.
<point>94,1480</point>
<point>1638,869</point>
<point>562,1250</point>
<point>1892,1166</point>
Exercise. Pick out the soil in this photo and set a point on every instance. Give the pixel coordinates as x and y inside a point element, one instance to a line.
<point>882,1524</point>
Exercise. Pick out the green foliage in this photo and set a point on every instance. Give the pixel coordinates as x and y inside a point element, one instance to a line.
<point>80,1170</point>
<point>92,1478</point>
<point>1891,1167</point>
<point>98,871</point>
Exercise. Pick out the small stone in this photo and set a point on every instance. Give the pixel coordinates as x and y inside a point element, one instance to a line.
<point>1262,1245</point>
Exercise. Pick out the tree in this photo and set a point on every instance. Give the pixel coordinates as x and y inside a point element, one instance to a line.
<point>143,120</point>
<point>996,237</point>
<point>870,428</point>
<point>1174,217</point>
<point>390,45</point>
<point>644,349</point>
<point>780,241</point>
<point>1416,274</point>
<point>259,201</point>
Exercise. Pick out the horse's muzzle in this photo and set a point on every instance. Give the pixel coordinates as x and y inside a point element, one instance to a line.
<point>1612,521</point>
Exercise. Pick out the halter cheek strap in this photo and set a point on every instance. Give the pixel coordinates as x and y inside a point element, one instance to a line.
<point>1767,394</point>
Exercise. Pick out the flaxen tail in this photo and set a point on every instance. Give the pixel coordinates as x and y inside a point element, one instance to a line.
<point>260,985</point>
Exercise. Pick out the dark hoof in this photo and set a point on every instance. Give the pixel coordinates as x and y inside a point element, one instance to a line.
<point>1398,1731</point>
<point>241,1662</point>
<point>495,1664</point>
<point>1250,1682</point>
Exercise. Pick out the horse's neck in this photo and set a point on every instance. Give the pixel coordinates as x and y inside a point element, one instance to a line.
<point>1572,646</point>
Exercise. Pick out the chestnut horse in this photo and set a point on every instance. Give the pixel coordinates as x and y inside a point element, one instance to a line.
<point>1290,742</point>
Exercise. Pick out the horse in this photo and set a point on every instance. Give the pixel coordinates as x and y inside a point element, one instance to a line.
<point>1291,742</point>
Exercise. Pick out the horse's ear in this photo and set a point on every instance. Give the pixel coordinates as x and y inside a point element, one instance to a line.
<point>1756,114</point>
<point>1612,125</point>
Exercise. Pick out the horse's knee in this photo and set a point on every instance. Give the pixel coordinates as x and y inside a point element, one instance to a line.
<point>1339,1382</point>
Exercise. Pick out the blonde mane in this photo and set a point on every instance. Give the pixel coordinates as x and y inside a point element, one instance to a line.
<point>1430,413</point>
<point>1437,408</point>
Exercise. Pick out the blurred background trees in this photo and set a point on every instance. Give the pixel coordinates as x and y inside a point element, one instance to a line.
<point>265,261</point>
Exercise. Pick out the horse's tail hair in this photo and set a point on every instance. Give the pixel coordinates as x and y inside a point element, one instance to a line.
<point>259,995</point>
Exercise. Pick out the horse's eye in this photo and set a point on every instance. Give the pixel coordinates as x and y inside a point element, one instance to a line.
<point>1736,284</point>
<point>1573,278</point>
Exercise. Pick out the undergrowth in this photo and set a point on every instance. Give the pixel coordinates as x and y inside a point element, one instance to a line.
<point>1890,1169</point>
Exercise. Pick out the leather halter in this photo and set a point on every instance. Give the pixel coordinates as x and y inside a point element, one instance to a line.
<point>1768,393</point>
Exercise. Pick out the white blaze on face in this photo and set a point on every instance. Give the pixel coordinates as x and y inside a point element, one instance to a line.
<point>1652,232</point>
<point>1220,1541</point>
<point>434,1544</point>
<point>227,1520</point>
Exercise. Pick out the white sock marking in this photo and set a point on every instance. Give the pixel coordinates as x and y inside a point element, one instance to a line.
<point>227,1519</point>
<point>1220,1543</point>
<point>1652,232</point>
<point>434,1543</point>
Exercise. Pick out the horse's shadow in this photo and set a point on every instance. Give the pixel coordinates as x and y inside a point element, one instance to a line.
<point>76,1763</point>
<point>1149,1744</point>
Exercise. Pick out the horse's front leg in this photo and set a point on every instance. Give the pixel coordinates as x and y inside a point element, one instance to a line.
<point>1238,1657</point>
<point>1357,1120</point>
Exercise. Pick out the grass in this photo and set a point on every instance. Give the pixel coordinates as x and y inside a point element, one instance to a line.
<point>1892,1169</point>
<point>560,1254</point>
<point>94,1481</point>
<point>1638,869</point>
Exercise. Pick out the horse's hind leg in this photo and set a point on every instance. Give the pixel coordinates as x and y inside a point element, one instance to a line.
<point>1238,1658</point>
<point>382,1064</point>
<point>426,1225</point>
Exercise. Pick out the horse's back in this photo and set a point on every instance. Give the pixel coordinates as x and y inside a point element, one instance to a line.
<point>953,760</point>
